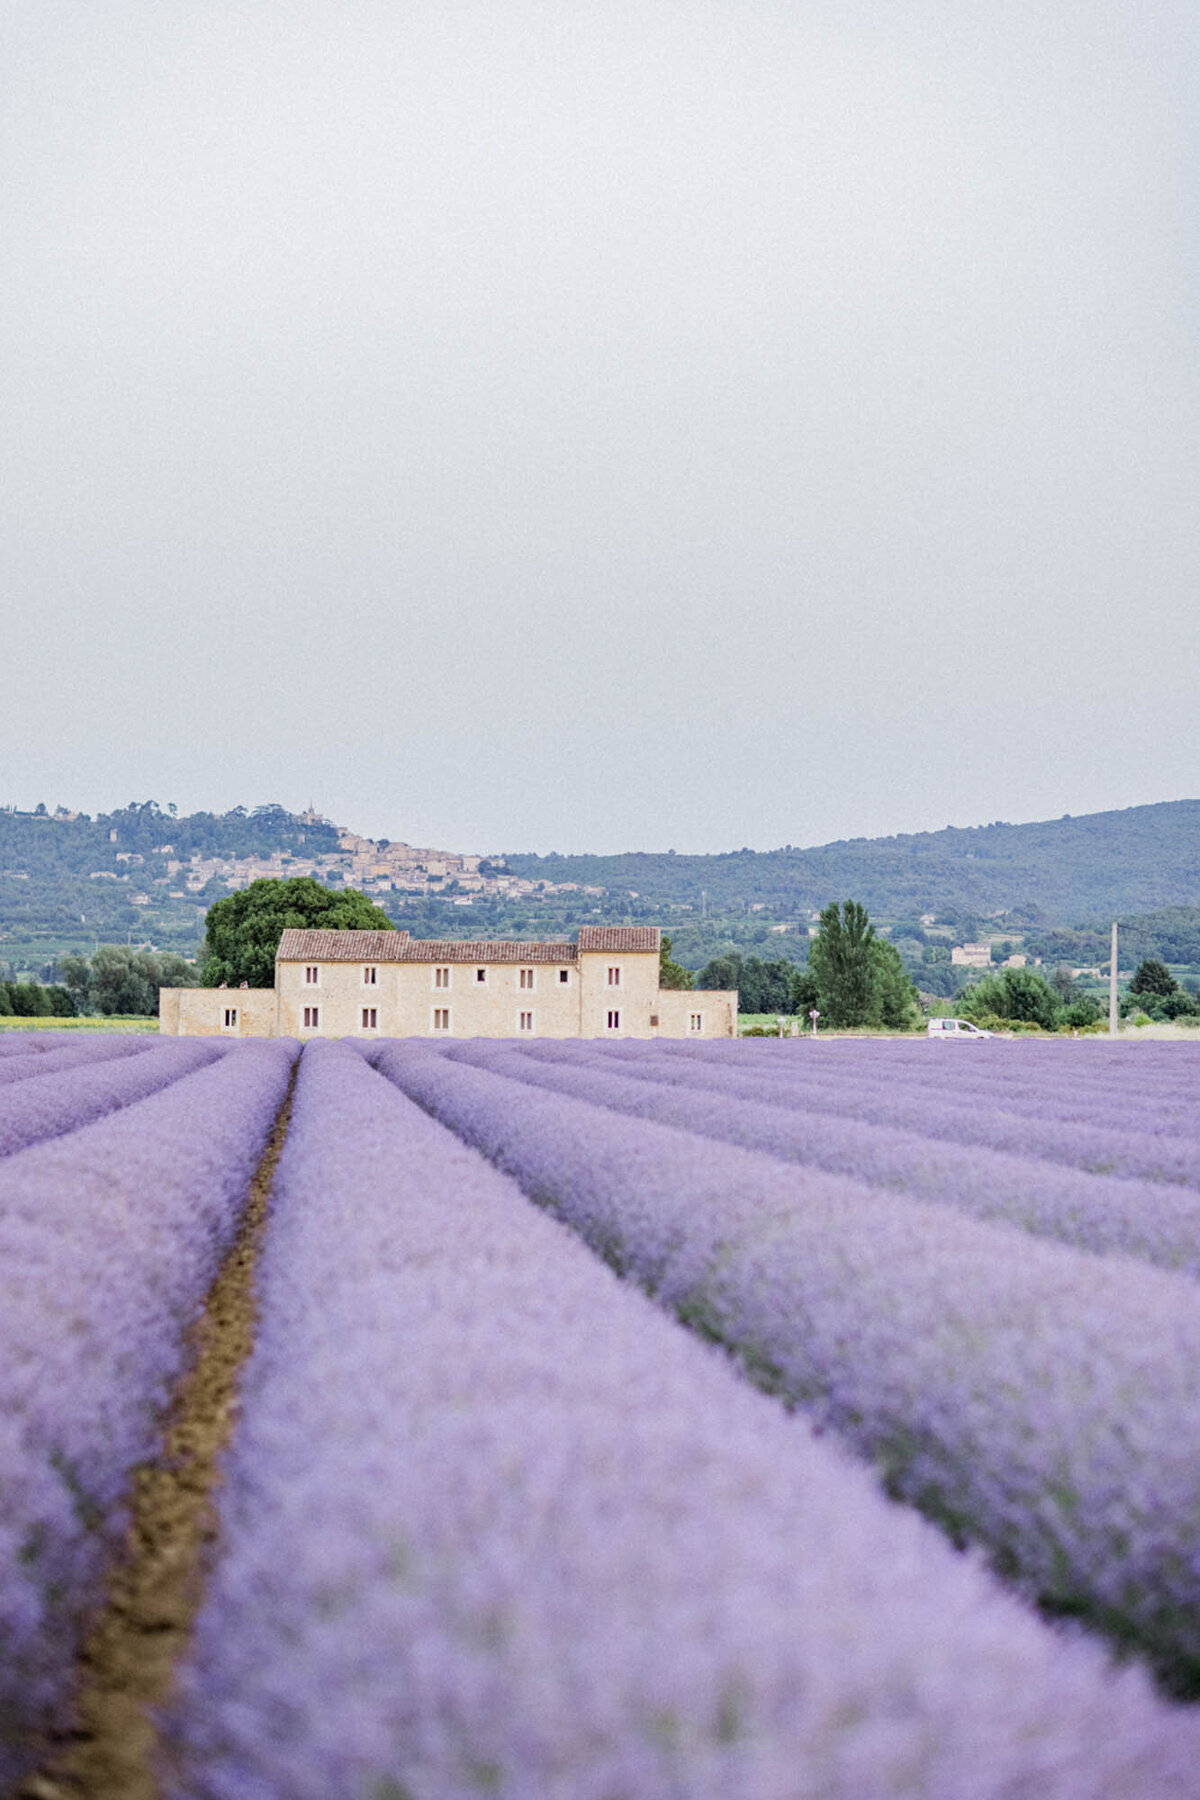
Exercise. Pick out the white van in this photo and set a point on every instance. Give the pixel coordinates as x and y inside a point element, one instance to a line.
<point>955,1028</point>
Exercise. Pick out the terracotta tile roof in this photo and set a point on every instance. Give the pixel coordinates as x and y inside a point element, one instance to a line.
<point>340,946</point>
<point>398,946</point>
<point>620,937</point>
<point>485,950</point>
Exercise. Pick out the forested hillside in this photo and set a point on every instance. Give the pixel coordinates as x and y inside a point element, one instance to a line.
<point>69,882</point>
<point>1069,871</point>
<point>144,875</point>
<point>45,843</point>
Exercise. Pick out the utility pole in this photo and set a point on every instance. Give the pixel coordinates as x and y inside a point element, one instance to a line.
<point>1112,986</point>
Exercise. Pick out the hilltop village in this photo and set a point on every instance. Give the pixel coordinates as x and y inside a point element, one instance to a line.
<point>380,866</point>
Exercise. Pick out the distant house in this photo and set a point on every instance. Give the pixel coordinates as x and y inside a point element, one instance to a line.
<point>370,984</point>
<point>971,956</point>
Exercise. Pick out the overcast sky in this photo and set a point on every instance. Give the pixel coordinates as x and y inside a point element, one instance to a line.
<point>601,425</point>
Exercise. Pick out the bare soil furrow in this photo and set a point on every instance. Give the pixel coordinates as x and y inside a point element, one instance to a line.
<point>126,1662</point>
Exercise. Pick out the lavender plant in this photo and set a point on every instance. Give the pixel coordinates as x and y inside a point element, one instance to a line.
<point>44,1106</point>
<point>1035,1400</point>
<point>1158,1223</point>
<point>493,1525</point>
<point>71,1056</point>
<point>1151,1153</point>
<point>109,1237</point>
<point>1006,1078</point>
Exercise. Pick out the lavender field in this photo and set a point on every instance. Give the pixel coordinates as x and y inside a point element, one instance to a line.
<point>771,1421</point>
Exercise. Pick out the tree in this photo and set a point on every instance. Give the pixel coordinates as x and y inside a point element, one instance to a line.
<point>804,991</point>
<point>121,983</point>
<point>670,973</point>
<point>1021,995</point>
<point>1063,983</point>
<point>176,971</point>
<point>1153,977</point>
<point>119,980</point>
<point>895,998</point>
<point>29,1001</point>
<point>840,960</point>
<point>765,987</point>
<point>721,972</point>
<point>76,976</point>
<point>243,930</point>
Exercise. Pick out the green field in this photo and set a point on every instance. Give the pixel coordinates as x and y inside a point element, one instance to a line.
<point>52,1024</point>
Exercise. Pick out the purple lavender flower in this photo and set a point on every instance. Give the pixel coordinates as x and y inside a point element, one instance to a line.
<point>59,1057</point>
<point>44,1106</point>
<point>1159,1223</point>
<point>109,1237</point>
<point>1037,1400</point>
<point>1151,1152</point>
<point>492,1524</point>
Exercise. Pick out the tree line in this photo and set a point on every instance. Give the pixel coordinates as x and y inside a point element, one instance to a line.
<point>117,982</point>
<point>1026,997</point>
<point>853,979</point>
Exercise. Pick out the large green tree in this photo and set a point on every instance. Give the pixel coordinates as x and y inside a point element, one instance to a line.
<point>763,986</point>
<point>243,930</point>
<point>895,1003</point>
<point>670,973</point>
<point>842,962</point>
<point>76,975</point>
<point>854,977</point>
<point>29,1001</point>
<point>1022,995</point>
<point>121,980</point>
<point>1153,977</point>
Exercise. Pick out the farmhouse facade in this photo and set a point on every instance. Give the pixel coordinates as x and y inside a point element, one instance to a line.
<point>387,984</point>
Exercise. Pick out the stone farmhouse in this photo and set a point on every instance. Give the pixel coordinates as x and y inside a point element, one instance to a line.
<point>387,984</point>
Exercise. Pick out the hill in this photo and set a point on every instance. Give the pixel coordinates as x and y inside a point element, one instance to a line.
<point>1069,871</point>
<point>145,875</point>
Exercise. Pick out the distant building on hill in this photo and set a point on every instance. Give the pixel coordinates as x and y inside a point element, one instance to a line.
<point>971,956</point>
<point>383,984</point>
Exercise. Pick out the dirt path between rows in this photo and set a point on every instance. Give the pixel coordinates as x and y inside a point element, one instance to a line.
<point>154,1591</point>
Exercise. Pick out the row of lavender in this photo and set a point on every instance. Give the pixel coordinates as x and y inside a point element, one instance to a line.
<point>761,1112</point>
<point>1036,1399</point>
<point>493,1524</point>
<point>111,1230</point>
<point>1114,1130</point>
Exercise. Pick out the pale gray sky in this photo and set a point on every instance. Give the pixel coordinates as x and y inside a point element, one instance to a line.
<point>601,426</point>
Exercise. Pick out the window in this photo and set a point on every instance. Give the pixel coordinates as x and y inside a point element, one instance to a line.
<point>696,1022</point>
<point>614,978</point>
<point>564,975</point>
<point>441,1018</point>
<point>481,974</point>
<point>312,974</point>
<point>231,1018</point>
<point>614,1021</point>
<point>526,1021</point>
<point>654,1021</point>
<point>312,1018</point>
<point>371,977</point>
<point>441,978</point>
<point>370,1018</point>
<point>526,978</point>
